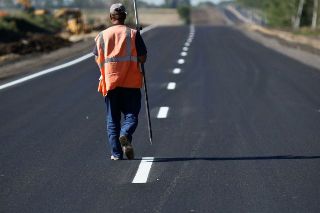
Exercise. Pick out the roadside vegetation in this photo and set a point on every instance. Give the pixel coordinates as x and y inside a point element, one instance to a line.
<point>183,8</point>
<point>184,12</point>
<point>289,14</point>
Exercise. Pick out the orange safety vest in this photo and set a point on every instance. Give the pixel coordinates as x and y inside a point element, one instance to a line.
<point>117,59</point>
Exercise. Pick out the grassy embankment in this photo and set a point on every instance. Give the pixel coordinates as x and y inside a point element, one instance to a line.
<point>282,15</point>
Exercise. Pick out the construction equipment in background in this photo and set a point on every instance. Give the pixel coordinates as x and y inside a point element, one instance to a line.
<point>26,4</point>
<point>3,13</point>
<point>27,7</point>
<point>72,18</point>
<point>41,12</point>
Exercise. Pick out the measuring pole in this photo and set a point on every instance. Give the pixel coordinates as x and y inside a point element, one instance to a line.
<point>144,76</point>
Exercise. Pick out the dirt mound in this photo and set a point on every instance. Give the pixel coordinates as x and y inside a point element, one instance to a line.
<point>34,43</point>
<point>9,35</point>
<point>16,28</point>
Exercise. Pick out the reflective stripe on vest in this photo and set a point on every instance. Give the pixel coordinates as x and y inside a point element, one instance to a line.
<point>122,59</point>
<point>119,59</point>
<point>128,56</point>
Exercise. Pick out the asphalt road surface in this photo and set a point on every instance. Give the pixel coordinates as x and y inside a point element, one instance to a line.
<point>241,134</point>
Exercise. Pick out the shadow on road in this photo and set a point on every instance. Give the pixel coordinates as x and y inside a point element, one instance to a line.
<point>280,157</point>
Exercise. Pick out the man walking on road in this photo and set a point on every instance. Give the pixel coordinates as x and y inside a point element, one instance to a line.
<point>118,51</point>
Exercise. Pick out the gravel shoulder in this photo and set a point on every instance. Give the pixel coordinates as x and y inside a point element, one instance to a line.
<point>301,48</point>
<point>305,53</point>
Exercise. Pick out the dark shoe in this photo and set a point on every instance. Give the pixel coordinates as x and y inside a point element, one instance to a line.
<point>126,147</point>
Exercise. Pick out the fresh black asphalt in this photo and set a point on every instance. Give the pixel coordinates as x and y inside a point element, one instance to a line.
<point>242,134</point>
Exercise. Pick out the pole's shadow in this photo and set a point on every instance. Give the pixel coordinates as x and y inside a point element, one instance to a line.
<point>277,157</point>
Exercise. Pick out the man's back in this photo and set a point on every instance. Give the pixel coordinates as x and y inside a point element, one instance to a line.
<point>117,40</point>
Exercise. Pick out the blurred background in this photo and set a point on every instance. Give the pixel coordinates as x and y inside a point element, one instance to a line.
<point>28,26</point>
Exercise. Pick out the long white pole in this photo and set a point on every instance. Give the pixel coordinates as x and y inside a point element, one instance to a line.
<point>144,78</point>
<point>136,14</point>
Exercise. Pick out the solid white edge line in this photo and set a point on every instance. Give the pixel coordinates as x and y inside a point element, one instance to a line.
<point>163,112</point>
<point>143,170</point>
<point>44,72</point>
<point>59,67</point>
<point>148,28</point>
<point>171,86</point>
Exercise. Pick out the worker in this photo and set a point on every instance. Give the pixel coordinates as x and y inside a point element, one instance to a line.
<point>119,50</point>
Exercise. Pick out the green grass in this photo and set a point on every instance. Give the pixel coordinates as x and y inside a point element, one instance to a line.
<point>8,25</point>
<point>184,13</point>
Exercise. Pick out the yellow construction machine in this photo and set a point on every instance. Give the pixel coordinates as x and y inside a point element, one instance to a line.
<point>72,18</point>
<point>26,4</point>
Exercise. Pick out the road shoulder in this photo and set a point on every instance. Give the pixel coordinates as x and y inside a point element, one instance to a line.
<point>35,62</point>
<point>301,55</point>
<point>305,54</point>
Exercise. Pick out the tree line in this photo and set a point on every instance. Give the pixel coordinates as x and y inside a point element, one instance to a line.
<point>288,13</point>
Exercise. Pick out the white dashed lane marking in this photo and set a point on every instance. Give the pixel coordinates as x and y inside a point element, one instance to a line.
<point>176,71</point>
<point>143,170</point>
<point>163,112</point>
<point>171,86</point>
<point>181,61</point>
<point>184,54</point>
<point>146,162</point>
